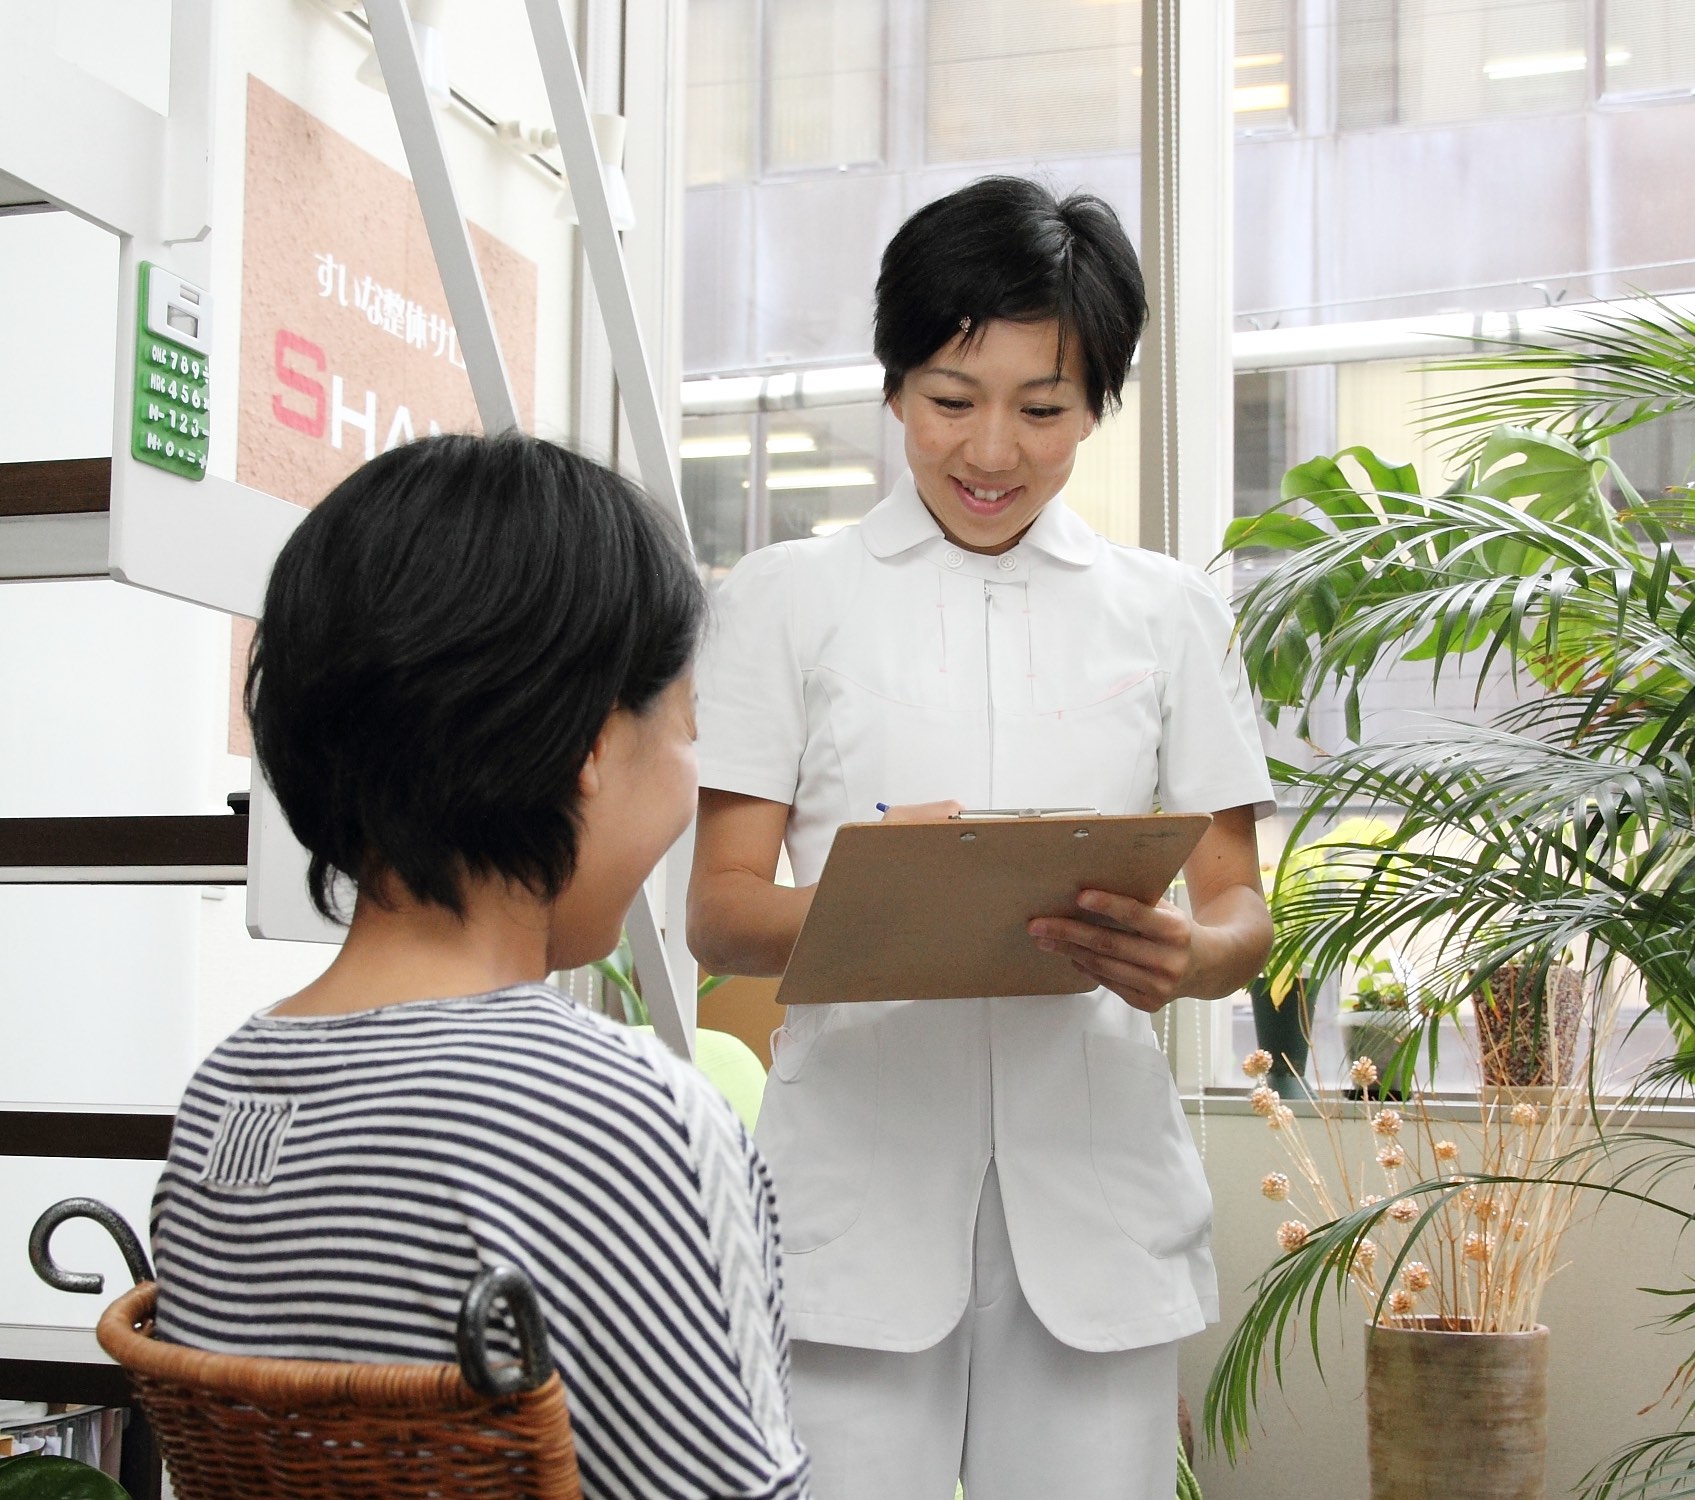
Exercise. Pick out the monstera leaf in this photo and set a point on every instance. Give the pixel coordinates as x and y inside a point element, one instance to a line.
<point>36,1478</point>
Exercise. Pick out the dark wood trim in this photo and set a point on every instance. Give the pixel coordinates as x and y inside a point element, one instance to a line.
<point>203,839</point>
<point>56,487</point>
<point>140,1467</point>
<point>64,1380</point>
<point>85,1133</point>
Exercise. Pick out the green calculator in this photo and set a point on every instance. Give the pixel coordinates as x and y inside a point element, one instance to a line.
<point>172,425</point>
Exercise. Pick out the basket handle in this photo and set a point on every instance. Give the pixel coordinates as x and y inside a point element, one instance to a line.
<point>114,1223</point>
<point>502,1284</point>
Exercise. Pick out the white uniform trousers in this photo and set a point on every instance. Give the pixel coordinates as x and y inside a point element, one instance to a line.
<point>1000,1402</point>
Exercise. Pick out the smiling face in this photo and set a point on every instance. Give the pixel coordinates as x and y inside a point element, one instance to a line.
<point>992,430</point>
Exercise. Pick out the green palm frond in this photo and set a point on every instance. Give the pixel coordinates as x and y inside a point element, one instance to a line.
<point>1460,575</point>
<point>1292,1291</point>
<point>1615,370</point>
<point>1564,822</point>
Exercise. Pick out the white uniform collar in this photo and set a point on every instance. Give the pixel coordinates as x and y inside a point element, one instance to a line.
<point>901,521</point>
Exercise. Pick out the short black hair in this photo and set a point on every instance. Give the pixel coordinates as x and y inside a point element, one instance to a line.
<point>1005,247</point>
<point>443,638</point>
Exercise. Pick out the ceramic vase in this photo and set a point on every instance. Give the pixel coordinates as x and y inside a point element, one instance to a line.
<point>1450,1412</point>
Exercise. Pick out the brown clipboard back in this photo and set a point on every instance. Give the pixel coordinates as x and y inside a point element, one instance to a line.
<point>937,911</point>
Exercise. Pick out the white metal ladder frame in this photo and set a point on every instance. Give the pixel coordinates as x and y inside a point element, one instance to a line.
<point>147,179</point>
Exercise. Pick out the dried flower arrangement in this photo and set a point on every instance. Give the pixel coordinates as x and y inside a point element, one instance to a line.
<point>1478,1258</point>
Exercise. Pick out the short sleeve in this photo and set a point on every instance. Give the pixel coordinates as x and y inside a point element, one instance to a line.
<point>738,1203</point>
<point>1210,755</point>
<point>751,713</point>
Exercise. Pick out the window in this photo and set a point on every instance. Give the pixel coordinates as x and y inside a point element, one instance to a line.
<point>1021,78</point>
<point>717,467</point>
<point>1655,457</point>
<point>1424,62</point>
<point>1105,486</point>
<point>1650,47</point>
<point>826,84</point>
<point>820,469</point>
<point>1264,75</point>
<point>1262,439</point>
<point>824,469</point>
<point>721,91</point>
<point>1031,78</point>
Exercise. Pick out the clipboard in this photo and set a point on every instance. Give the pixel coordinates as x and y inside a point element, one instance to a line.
<point>938,910</point>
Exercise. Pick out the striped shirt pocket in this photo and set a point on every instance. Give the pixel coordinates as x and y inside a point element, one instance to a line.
<point>247,1143</point>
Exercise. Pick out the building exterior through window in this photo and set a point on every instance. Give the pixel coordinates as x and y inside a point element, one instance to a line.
<point>1394,159</point>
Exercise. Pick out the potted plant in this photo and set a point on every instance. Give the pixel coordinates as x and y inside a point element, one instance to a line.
<point>1564,823</point>
<point>1529,1020</point>
<point>1282,996</point>
<point>1450,1285</point>
<point>1561,822</point>
<point>1375,1018</point>
<point>35,1477</point>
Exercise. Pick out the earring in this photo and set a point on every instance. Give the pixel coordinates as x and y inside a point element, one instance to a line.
<point>965,325</point>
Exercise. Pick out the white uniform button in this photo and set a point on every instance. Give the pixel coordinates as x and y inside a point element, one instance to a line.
<point>1008,562</point>
<point>953,558</point>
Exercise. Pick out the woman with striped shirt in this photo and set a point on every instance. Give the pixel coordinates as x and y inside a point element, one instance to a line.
<point>471,692</point>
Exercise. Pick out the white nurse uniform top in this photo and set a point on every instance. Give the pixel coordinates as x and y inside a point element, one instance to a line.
<point>883,664</point>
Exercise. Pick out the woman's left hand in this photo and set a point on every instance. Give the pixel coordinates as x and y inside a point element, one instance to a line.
<point>1149,955</point>
<point>1139,952</point>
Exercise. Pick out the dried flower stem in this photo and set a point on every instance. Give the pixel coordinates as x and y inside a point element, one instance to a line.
<point>1492,1247</point>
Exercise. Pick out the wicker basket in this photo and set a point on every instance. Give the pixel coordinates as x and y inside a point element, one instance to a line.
<point>235,1427</point>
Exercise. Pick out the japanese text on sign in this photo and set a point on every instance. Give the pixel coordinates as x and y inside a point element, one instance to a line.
<point>385,308</point>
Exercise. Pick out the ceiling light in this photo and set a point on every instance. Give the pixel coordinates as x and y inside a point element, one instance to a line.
<point>818,479</point>
<point>739,445</point>
<point>715,447</point>
<point>1261,60</point>
<point>1542,65</point>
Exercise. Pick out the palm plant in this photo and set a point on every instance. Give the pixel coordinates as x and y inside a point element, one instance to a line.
<point>618,969</point>
<point>1565,820</point>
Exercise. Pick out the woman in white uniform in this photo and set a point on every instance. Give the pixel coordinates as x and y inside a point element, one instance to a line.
<point>994,1221</point>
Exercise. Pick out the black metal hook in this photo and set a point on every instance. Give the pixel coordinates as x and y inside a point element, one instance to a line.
<point>114,1223</point>
<point>502,1284</point>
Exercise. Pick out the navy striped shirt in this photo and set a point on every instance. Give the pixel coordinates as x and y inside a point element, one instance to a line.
<point>336,1182</point>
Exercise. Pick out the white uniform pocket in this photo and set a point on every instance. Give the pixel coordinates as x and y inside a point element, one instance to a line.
<point>1149,1170</point>
<point>818,1123</point>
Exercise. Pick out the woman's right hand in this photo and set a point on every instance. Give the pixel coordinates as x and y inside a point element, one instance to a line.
<point>922,812</point>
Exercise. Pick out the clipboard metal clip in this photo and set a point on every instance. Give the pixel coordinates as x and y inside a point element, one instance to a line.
<point>994,814</point>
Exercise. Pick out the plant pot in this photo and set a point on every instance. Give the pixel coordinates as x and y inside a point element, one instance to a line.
<point>1450,1412</point>
<point>1376,1035</point>
<point>1523,1039</point>
<point>1285,1031</point>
